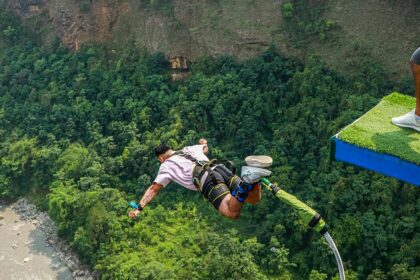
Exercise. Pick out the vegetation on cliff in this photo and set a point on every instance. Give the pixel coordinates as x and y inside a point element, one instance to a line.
<point>77,132</point>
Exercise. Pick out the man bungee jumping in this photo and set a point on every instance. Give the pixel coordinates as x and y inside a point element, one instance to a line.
<point>191,168</point>
<point>412,118</point>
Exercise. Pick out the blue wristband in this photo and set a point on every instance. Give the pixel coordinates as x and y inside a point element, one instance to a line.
<point>135,206</point>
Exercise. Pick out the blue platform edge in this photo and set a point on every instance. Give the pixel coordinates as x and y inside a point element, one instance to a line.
<point>381,163</point>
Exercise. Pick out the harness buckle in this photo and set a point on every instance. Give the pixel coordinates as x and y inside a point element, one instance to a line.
<point>200,163</point>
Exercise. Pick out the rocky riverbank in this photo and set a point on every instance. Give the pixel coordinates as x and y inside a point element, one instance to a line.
<point>30,246</point>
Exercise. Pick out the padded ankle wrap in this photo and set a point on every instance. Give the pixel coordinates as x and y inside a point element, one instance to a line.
<point>240,192</point>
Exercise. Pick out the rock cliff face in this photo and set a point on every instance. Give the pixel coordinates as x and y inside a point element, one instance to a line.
<point>193,28</point>
<point>75,26</point>
<point>28,8</point>
<point>188,28</point>
<point>74,22</point>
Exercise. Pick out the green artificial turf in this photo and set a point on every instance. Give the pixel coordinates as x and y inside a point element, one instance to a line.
<point>375,131</point>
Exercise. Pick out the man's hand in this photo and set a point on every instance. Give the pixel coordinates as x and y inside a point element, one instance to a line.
<point>203,141</point>
<point>133,213</point>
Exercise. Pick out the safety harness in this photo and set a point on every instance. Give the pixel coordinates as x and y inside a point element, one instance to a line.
<point>200,168</point>
<point>219,187</point>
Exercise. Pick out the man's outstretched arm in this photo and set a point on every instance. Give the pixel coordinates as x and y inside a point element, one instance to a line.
<point>150,193</point>
<point>148,196</point>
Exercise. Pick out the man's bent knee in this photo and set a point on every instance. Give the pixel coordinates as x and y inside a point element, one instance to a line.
<point>233,216</point>
<point>230,215</point>
<point>415,58</point>
<point>226,210</point>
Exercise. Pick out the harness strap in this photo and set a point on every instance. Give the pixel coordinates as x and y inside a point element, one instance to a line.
<point>198,174</point>
<point>234,181</point>
<point>205,166</point>
<point>218,189</point>
<point>220,195</point>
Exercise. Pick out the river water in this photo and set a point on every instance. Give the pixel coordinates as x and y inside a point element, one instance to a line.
<point>24,252</point>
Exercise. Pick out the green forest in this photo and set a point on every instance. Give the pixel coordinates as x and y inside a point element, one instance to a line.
<point>78,130</point>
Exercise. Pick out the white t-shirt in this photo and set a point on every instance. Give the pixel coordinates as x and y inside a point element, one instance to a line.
<point>179,169</point>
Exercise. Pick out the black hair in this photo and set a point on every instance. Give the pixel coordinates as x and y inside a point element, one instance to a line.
<point>161,149</point>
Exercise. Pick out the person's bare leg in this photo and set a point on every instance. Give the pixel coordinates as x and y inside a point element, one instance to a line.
<point>415,67</point>
<point>230,207</point>
<point>416,73</point>
<point>412,118</point>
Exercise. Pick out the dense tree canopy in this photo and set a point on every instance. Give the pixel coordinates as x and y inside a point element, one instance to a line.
<point>78,129</point>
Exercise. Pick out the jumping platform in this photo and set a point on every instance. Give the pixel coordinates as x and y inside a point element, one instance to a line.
<point>374,143</point>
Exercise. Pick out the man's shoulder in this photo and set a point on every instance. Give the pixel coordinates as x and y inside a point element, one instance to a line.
<point>197,151</point>
<point>186,148</point>
<point>175,158</point>
<point>164,166</point>
<point>194,148</point>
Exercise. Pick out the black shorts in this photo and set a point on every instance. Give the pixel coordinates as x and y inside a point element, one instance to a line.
<point>216,191</point>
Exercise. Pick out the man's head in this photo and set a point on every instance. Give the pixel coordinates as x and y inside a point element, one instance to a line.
<point>162,152</point>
